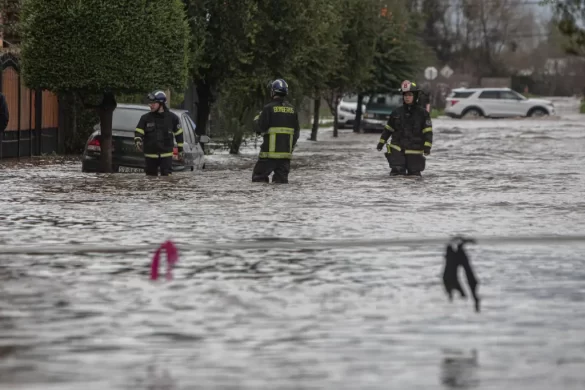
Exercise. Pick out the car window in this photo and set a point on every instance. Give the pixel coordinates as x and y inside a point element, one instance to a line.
<point>188,133</point>
<point>350,99</point>
<point>508,95</point>
<point>489,95</point>
<point>462,95</point>
<point>126,119</point>
<point>193,125</point>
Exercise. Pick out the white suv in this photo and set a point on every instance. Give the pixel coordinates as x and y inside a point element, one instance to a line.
<point>494,103</point>
<point>347,108</point>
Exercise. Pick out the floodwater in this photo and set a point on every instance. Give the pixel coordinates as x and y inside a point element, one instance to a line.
<point>358,318</point>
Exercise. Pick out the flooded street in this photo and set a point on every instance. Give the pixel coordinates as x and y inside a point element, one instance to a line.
<point>374,318</point>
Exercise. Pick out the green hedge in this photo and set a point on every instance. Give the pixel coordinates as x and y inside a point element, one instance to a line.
<point>93,46</point>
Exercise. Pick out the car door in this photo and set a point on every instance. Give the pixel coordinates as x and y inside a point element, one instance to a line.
<point>188,142</point>
<point>198,152</point>
<point>511,104</point>
<point>489,102</point>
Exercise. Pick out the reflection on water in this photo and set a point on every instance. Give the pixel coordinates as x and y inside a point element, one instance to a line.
<point>459,371</point>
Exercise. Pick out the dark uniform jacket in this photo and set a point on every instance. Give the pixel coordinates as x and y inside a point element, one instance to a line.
<point>278,122</point>
<point>156,130</point>
<point>411,129</point>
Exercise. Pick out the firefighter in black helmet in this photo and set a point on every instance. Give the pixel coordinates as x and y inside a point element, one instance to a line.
<point>154,136</point>
<point>411,129</point>
<point>278,123</point>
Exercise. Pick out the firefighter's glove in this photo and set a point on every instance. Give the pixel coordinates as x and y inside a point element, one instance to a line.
<point>427,151</point>
<point>379,146</point>
<point>138,143</point>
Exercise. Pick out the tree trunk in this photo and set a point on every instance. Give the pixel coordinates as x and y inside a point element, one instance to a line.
<point>106,113</point>
<point>203,108</point>
<point>70,123</point>
<point>237,141</point>
<point>315,128</point>
<point>358,114</point>
<point>74,116</point>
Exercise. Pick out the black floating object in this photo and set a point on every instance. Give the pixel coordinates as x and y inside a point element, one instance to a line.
<point>454,258</point>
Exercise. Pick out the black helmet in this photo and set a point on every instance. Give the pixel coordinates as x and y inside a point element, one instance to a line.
<point>279,87</point>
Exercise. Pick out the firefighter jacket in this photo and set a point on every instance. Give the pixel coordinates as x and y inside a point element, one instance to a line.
<point>156,131</point>
<point>278,123</point>
<point>411,129</point>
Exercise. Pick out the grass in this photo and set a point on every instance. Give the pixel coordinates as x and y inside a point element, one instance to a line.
<point>436,113</point>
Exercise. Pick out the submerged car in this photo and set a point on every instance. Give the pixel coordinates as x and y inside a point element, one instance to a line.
<point>125,156</point>
<point>378,111</point>
<point>495,103</point>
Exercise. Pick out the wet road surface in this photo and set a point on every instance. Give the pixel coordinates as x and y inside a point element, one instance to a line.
<point>303,319</point>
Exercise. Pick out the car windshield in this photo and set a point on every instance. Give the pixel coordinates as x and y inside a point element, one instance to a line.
<point>386,100</point>
<point>126,119</point>
<point>354,99</point>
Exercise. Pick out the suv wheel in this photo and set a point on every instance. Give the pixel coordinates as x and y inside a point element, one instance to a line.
<point>537,112</point>
<point>471,113</point>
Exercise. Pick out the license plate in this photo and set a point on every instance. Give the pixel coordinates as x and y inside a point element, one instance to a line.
<point>130,170</point>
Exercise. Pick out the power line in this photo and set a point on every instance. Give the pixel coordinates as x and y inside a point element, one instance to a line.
<point>276,243</point>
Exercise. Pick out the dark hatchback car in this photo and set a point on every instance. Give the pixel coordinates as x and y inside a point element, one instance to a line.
<point>125,156</point>
<point>378,111</point>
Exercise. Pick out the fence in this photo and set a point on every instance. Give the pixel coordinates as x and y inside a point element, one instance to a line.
<point>34,115</point>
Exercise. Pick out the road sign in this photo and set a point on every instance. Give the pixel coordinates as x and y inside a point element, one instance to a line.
<point>431,73</point>
<point>446,72</point>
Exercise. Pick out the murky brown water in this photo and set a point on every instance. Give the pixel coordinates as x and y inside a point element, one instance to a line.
<point>312,319</point>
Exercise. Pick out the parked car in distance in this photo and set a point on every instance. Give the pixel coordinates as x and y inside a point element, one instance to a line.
<point>378,110</point>
<point>494,103</point>
<point>125,156</point>
<point>346,110</point>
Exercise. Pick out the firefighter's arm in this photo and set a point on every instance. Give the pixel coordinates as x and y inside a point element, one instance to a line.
<point>256,123</point>
<point>139,133</point>
<point>297,132</point>
<point>388,130</point>
<point>428,133</point>
<point>178,133</point>
<point>262,120</point>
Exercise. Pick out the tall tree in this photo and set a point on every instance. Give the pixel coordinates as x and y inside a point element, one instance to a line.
<point>97,49</point>
<point>398,51</point>
<point>360,23</point>
<point>222,34</point>
<point>300,43</point>
<point>570,16</point>
<point>244,44</point>
<point>9,18</point>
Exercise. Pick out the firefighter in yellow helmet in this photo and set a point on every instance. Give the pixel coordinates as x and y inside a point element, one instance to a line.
<point>408,135</point>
